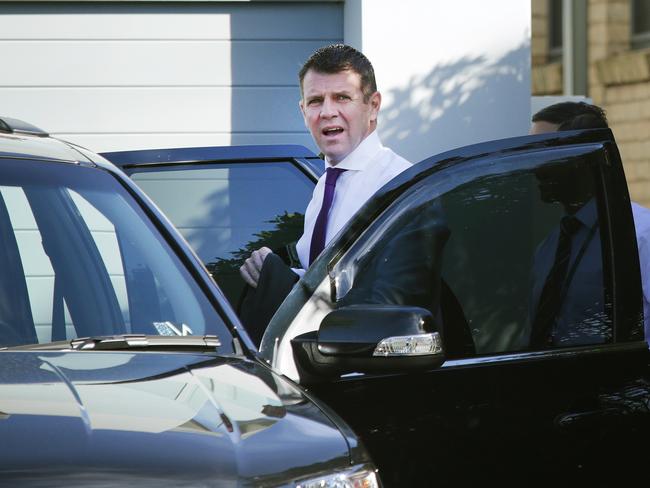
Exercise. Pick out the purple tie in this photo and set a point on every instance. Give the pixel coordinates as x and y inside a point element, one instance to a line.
<point>318,236</point>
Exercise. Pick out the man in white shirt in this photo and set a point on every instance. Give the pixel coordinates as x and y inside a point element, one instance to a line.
<point>580,115</point>
<point>340,104</point>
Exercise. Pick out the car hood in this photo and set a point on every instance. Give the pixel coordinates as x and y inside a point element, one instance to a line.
<point>169,419</point>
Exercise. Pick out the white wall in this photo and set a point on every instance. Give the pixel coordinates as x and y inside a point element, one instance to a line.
<point>451,73</point>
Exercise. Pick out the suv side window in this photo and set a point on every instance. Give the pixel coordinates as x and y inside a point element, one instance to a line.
<point>480,254</point>
<point>229,210</point>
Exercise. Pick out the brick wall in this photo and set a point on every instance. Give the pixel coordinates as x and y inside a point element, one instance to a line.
<point>539,34</point>
<point>618,81</point>
<point>546,77</point>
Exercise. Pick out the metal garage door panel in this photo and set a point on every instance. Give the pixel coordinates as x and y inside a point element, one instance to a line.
<point>120,76</point>
<point>152,63</point>
<point>142,109</point>
<point>218,20</point>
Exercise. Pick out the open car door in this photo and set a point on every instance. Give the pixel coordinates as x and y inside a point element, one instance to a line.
<point>425,323</point>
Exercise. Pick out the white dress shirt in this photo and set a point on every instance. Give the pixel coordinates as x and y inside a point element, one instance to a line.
<point>642,228</point>
<point>369,167</point>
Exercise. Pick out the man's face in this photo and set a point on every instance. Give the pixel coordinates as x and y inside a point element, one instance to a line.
<point>542,127</point>
<point>335,112</point>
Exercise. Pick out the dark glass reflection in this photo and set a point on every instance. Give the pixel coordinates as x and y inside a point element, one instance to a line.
<point>281,238</point>
<point>479,256</point>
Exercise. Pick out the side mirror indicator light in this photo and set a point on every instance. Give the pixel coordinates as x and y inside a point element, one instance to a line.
<point>412,345</point>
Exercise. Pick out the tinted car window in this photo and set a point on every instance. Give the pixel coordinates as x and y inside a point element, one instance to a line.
<point>481,256</point>
<point>229,210</point>
<point>81,259</point>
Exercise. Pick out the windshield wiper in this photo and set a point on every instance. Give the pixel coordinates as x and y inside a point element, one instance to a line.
<point>196,343</point>
<point>141,341</point>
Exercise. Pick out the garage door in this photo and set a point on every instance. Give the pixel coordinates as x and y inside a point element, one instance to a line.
<point>136,75</point>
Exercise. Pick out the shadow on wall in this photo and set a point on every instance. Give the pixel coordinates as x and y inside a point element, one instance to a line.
<point>459,103</point>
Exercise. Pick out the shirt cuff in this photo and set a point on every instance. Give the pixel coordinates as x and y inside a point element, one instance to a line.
<point>299,271</point>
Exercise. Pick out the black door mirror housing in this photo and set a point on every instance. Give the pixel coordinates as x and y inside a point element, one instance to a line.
<point>370,339</point>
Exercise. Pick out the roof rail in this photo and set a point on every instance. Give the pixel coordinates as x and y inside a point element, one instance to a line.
<point>15,126</point>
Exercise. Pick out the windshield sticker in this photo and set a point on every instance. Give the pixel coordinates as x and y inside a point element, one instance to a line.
<point>167,328</point>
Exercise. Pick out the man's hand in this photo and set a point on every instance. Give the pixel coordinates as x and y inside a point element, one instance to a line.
<point>250,270</point>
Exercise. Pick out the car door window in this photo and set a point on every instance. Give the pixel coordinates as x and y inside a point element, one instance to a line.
<point>481,256</point>
<point>226,211</point>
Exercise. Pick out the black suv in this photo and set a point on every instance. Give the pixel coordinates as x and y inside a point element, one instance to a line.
<point>120,363</point>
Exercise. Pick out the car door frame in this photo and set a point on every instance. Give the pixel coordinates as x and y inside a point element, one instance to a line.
<point>302,158</point>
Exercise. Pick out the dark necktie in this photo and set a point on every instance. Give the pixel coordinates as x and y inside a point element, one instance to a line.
<point>318,236</point>
<point>550,300</point>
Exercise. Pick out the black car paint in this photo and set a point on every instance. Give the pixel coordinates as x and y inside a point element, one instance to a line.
<point>179,420</point>
<point>559,416</point>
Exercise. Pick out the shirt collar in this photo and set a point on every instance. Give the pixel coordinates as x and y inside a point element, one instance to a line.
<point>588,213</point>
<point>360,158</point>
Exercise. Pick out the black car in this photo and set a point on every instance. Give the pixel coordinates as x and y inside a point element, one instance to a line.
<point>120,362</point>
<point>419,325</point>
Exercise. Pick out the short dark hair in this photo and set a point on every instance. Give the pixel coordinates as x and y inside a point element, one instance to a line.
<point>341,57</point>
<point>573,115</point>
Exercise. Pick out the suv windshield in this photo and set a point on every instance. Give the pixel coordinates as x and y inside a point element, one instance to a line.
<point>80,258</point>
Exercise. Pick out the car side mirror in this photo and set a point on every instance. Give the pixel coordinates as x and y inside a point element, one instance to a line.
<point>370,339</point>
